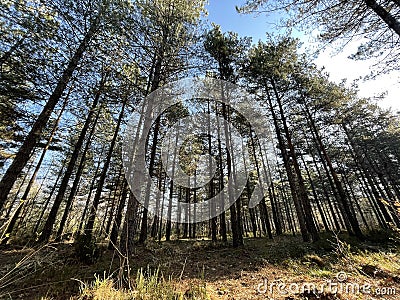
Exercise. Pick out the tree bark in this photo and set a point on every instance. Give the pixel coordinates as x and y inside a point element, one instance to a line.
<point>48,227</point>
<point>386,16</point>
<point>118,217</point>
<point>24,197</point>
<point>289,172</point>
<point>96,200</point>
<point>23,154</point>
<point>77,179</point>
<point>46,204</point>
<point>309,220</point>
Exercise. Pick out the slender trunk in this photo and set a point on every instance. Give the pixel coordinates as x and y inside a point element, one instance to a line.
<point>22,184</point>
<point>154,83</point>
<point>23,154</point>
<point>350,193</point>
<point>290,175</point>
<point>156,220</point>
<point>144,225</point>
<point>211,190</point>
<point>342,195</point>
<point>326,194</point>
<point>253,221</point>
<point>24,197</point>
<point>179,212</point>
<point>91,189</point>
<point>386,16</point>
<point>46,204</point>
<point>266,221</point>
<point>251,210</point>
<point>369,196</point>
<point>110,218</point>
<point>276,214</point>
<point>222,217</point>
<point>29,209</point>
<point>288,207</point>
<point>130,225</point>
<point>100,184</point>
<point>372,181</point>
<point>168,228</point>
<point>77,179</point>
<point>118,217</point>
<point>8,54</point>
<point>48,227</point>
<point>185,224</point>
<point>324,221</point>
<point>237,237</point>
<point>301,187</point>
<point>374,198</point>
<point>232,209</point>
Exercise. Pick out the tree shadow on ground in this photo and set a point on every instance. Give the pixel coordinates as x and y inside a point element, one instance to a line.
<point>56,271</point>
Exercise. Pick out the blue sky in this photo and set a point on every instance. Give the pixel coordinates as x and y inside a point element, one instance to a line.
<point>223,13</point>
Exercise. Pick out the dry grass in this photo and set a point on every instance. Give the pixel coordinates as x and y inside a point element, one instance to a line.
<point>201,270</point>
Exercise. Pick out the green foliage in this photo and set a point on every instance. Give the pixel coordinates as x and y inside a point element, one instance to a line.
<point>228,49</point>
<point>168,28</point>
<point>148,285</point>
<point>25,27</point>
<point>276,59</point>
<point>342,20</point>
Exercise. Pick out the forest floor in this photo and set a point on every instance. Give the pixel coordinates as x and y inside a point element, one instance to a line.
<point>282,268</point>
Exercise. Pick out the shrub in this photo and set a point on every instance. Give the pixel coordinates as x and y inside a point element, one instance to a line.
<point>86,249</point>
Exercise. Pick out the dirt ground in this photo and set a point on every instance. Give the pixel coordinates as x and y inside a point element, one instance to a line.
<point>282,268</point>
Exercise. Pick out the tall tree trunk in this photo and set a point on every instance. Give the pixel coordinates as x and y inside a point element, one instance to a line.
<point>282,146</point>
<point>156,220</point>
<point>24,197</point>
<point>371,180</point>
<point>77,179</point>
<point>29,209</point>
<point>386,16</point>
<point>100,184</point>
<point>211,190</point>
<point>349,190</point>
<point>301,186</point>
<point>288,208</point>
<point>48,227</point>
<point>46,204</point>
<point>266,221</point>
<point>21,185</point>
<point>153,84</point>
<point>111,216</point>
<point>118,217</point>
<point>344,203</point>
<point>130,224</point>
<point>324,221</point>
<point>23,154</point>
<point>144,225</point>
<point>276,214</point>
<point>91,189</point>
<point>251,210</point>
<point>222,217</point>
<point>237,237</point>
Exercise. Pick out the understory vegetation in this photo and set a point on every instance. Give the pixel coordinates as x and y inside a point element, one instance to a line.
<point>190,269</point>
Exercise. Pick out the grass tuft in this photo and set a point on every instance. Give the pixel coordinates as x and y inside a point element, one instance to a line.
<point>148,285</point>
